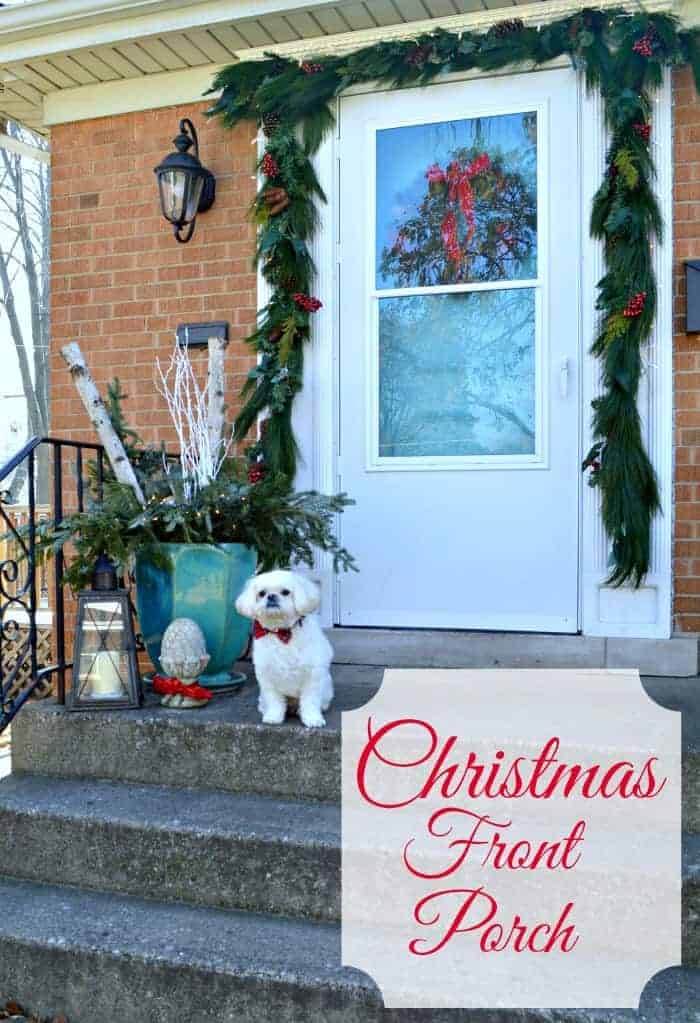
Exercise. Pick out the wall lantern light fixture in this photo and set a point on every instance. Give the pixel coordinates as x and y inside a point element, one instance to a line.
<point>186,187</point>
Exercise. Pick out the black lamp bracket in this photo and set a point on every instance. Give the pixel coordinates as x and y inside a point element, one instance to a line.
<point>186,140</point>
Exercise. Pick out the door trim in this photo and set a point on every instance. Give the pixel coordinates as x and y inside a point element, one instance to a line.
<point>603,611</point>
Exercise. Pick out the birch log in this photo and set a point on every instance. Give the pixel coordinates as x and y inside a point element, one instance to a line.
<point>99,417</point>
<point>217,394</point>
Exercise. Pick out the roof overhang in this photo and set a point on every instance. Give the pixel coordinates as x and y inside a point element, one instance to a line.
<point>121,55</point>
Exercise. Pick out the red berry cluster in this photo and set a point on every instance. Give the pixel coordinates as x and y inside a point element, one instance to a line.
<point>307,302</point>
<point>256,473</point>
<point>270,167</point>
<point>643,45</point>
<point>643,130</point>
<point>635,304</point>
<point>311,69</point>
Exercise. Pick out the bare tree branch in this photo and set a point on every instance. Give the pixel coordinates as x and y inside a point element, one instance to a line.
<point>24,202</point>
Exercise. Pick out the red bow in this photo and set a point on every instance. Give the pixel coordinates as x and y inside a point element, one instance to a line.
<point>283,635</point>
<point>174,687</point>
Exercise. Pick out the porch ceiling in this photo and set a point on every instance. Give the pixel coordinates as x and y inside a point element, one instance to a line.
<point>48,46</point>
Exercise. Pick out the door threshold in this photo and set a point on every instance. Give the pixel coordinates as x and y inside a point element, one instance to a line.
<point>432,648</point>
<point>427,630</point>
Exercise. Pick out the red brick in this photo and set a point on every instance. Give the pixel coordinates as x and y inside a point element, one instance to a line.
<point>120,282</point>
<point>686,233</point>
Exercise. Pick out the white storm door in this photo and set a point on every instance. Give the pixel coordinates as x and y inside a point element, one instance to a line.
<point>458,354</point>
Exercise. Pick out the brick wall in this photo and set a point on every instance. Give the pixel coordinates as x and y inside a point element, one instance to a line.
<point>686,348</point>
<point>120,282</point>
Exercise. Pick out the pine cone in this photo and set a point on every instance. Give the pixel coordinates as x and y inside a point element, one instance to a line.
<point>276,200</point>
<point>419,56</point>
<point>270,124</point>
<point>507,28</point>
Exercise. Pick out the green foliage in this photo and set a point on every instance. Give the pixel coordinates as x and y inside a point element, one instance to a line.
<point>115,397</point>
<point>625,215</point>
<point>282,525</point>
<point>284,345</point>
<point>626,167</point>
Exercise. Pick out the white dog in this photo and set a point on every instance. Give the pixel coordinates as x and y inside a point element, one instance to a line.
<point>292,657</point>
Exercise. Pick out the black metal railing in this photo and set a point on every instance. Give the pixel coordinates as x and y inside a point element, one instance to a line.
<point>21,674</point>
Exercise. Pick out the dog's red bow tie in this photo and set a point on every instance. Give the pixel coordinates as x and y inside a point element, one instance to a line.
<point>283,635</point>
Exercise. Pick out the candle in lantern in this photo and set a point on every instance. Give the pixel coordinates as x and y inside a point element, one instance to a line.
<point>105,680</point>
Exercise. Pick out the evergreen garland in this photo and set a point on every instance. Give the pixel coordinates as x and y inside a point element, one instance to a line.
<point>622,54</point>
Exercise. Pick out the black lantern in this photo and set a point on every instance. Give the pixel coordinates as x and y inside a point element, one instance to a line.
<point>105,669</point>
<point>104,576</point>
<point>186,187</point>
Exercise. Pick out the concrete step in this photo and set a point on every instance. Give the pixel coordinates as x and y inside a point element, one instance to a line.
<point>683,694</point>
<point>224,746</point>
<point>438,648</point>
<point>98,957</point>
<point>196,846</point>
<point>691,900</point>
<point>204,848</point>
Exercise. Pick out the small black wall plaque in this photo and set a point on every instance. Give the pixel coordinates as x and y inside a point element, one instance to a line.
<point>692,283</point>
<point>193,335</point>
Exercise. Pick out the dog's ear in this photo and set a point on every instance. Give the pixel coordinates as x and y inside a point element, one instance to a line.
<point>245,605</point>
<point>307,595</point>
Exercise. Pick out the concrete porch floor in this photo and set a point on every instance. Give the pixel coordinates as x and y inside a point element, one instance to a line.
<point>429,648</point>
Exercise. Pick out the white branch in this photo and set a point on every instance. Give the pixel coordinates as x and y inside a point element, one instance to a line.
<point>99,417</point>
<point>189,408</point>
<point>216,384</point>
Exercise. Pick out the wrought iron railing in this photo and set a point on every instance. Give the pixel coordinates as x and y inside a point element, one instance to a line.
<point>22,674</point>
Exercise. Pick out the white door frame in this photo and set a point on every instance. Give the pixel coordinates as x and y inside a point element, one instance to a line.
<point>604,611</point>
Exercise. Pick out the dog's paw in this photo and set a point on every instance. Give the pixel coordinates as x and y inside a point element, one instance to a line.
<point>312,719</point>
<point>274,716</point>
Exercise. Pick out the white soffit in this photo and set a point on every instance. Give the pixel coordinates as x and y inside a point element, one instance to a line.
<point>65,60</point>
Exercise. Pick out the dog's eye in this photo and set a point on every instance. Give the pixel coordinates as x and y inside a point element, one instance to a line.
<point>262,593</point>
<point>285,593</point>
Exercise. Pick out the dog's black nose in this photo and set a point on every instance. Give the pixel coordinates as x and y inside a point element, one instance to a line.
<point>272,600</point>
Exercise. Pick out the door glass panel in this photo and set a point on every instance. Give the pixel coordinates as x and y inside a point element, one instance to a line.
<point>457,374</point>
<point>456,202</point>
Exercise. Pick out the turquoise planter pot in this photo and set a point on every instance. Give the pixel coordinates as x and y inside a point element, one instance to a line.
<point>202,582</point>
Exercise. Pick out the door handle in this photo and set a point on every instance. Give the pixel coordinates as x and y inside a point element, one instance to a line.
<point>564,379</point>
